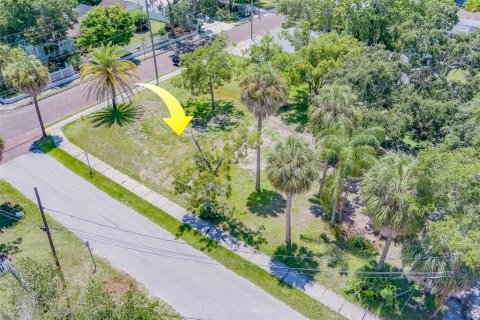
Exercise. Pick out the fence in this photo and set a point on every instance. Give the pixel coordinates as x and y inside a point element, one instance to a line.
<point>61,74</point>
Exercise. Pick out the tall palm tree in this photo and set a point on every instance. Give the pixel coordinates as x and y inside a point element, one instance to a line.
<point>387,191</point>
<point>352,151</point>
<point>29,75</point>
<point>107,74</point>
<point>291,168</point>
<point>263,91</point>
<point>333,103</point>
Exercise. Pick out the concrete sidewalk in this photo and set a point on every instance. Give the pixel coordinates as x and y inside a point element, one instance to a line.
<point>318,292</point>
<point>194,284</point>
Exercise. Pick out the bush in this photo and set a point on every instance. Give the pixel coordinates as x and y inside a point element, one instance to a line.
<point>472,5</point>
<point>140,20</point>
<point>224,15</point>
<point>379,295</point>
<point>362,245</point>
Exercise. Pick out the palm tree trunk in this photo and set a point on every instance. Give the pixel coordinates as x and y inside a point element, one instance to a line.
<point>323,178</point>
<point>212,97</point>
<point>288,218</point>
<point>39,115</point>
<point>342,201</point>
<point>114,99</point>
<point>334,210</point>
<point>257,176</point>
<point>381,262</point>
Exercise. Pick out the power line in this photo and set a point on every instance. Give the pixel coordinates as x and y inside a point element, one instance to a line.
<point>198,259</point>
<point>154,237</point>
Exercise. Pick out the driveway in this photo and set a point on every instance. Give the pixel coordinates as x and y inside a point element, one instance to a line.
<point>191,282</point>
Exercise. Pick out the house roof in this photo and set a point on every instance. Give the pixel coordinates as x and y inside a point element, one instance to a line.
<point>123,3</point>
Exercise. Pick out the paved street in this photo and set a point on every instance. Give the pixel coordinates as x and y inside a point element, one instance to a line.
<point>192,283</point>
<point>20,126</point>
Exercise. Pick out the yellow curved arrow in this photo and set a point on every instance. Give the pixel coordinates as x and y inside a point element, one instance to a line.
<point>178,121</point>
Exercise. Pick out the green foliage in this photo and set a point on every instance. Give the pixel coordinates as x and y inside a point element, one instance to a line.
<point>208,176</point>
<point>186,13</point>
<point>140,20</point>
<point>106,24</point>
<point>8,55</point>
<point>108,76</point>
<point>90,2</point>
<point>124,114</point>
<point>362,246</point>
<point>36,21</point>
<point>374,75</point>
<point>378,294</point>
<point>46,144</point>
<point>314,60</point>
<point>293,166</point>
<point>267,51</point>
<point>28,74</point>
<point>97,303</point>
<point>472,5</point>
<point>206,68</point>
<point>318,14</point>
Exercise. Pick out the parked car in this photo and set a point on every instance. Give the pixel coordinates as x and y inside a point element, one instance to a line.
<point>176,58</point>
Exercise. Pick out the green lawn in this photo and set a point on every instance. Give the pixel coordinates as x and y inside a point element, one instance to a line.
<point>25,240</point>
<point>138,37</point>
<point>150,152</point>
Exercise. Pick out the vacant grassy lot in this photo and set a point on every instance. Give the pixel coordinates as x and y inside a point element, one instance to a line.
<point>149,151</point>
<point>24,239</point>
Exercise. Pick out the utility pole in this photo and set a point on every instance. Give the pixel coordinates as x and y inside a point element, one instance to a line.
<point>251,19</point>
<point>50,240</point>
<point>153,45</point>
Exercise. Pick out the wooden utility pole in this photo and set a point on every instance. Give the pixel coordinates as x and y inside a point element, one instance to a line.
<point>153,45</point>
<point>49,236</point>
<point>251,19</point>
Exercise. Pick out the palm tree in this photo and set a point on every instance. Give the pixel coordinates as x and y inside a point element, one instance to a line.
<point>29,75</point>
<point>107,74</point>
<point>333,103</point>
<point>387,191</point>
<point>263,91</point>
<point>291,169</point>
<point>352,151</point>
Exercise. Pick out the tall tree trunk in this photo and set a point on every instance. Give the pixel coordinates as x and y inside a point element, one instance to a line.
<point>447,290</point>
<point>212,97</point>
<point>342,201</point>
<point>257,176</point>
<point>39,115</point>
<point>288,218</point>
<point>114,99</point>
<point>381,262</point>
<point>334,210</point>
<point>323,178</point>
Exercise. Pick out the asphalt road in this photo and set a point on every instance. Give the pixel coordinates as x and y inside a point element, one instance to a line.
<point>19,127</point>
<point>191,282</point>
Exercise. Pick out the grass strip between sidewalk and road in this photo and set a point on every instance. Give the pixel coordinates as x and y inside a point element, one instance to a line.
<point>293,297</point>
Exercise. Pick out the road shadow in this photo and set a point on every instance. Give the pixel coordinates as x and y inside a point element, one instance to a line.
<point>266,203</point>
<point>226,116</point>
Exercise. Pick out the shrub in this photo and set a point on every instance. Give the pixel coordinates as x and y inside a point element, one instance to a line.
<point>224,15</point>
<point>380,295</point>
<point>362,245</point>
<point>472,5</point>
<point>140,20</point>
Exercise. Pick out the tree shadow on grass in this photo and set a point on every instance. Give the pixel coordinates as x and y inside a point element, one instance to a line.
<point>296,112</point>
<point>301,258</point>
<point>8,216</point>
<point>226,115</point>
<point>11,247</point>
<point>266,203</point>
<point>316,208</point>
